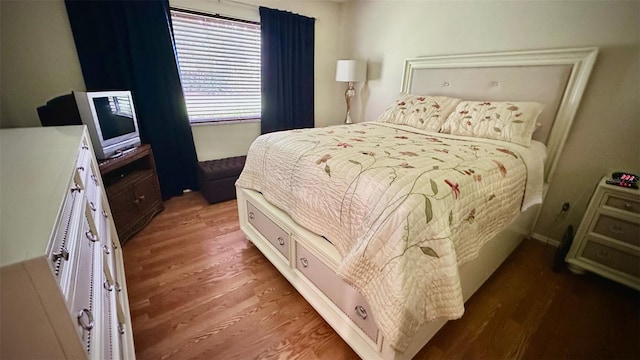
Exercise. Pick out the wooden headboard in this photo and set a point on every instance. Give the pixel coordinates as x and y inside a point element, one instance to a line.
<point>556,78</point>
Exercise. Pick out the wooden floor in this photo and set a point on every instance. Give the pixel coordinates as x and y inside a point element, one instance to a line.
<point>199,289</point>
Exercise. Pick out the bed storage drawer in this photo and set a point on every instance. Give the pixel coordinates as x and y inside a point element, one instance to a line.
<point>276,235</point>
<point>343,295</point>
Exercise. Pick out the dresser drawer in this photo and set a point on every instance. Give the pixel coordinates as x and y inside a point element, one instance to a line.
<point>111,342</point>
<point>630,205</point>
<point>83,163</point>
<point>612,258</point>
<point>87,279</point>
<point>276,235</point>
<point>63,247</point>
<point>343,295</point>
<point>618,229</point>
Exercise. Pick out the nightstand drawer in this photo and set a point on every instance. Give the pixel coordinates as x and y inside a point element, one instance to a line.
<point>277,236</point>
<point>612,258</point>
<point>618,229</point>
<point>629,205</point>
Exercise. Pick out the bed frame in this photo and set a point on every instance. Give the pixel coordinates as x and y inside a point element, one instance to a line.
<point>554,77</point>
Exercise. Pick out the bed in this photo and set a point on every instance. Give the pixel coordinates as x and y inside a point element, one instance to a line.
<point>387,227</point>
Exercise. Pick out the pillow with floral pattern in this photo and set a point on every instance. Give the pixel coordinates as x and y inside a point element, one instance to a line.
<point>420,111</point>
<point>500,120</point>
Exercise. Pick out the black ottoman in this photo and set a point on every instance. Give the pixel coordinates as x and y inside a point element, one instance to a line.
<point>217,178</point>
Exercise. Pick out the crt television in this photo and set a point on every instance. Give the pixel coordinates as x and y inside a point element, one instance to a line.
<point>109,115</point>
<point>111,120</point>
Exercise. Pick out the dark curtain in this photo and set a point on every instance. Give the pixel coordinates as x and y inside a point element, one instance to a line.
<point>129,45</point>
<point>287,70</point>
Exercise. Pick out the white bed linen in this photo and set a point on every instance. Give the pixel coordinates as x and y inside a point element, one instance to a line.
<point>401,234</point>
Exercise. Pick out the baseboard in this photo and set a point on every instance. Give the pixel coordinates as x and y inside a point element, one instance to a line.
<point>545,239</point>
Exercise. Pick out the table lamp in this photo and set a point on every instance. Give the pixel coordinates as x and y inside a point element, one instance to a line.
<point>350,71</point>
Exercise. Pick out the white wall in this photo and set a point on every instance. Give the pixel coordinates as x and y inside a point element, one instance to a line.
<point>38,59</point>
<point>606,131</point>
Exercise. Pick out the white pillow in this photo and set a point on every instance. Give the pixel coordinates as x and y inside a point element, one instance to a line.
<point>420,111</point>
<point>500,120</point>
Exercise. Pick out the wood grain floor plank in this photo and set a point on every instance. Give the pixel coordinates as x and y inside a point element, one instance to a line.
<point>199,290</point>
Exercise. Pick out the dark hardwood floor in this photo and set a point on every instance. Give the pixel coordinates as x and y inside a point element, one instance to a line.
<point>199,289</point>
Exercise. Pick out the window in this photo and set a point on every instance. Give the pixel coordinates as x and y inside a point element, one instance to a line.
<point>219,64</point>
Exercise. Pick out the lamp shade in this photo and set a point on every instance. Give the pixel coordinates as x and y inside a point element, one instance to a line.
<point>351,71</point>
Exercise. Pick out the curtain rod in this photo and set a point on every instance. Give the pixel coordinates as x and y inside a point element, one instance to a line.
<point>240,3</point>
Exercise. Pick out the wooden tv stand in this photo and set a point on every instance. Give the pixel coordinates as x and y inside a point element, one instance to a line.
<point>131,183</point>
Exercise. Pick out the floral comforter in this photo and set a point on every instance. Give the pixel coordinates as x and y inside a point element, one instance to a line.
<point>403,207</point>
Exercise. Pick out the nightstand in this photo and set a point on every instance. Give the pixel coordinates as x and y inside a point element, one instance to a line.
<point>608,239</point>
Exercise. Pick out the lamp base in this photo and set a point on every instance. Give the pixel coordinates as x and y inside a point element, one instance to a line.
<point>348,95</point>
<point>347,119</point>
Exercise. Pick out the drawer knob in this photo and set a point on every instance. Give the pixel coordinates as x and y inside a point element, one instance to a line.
<point>92,206</point>
<point>76,188</point>
<point>603,254</point>
<point>106,249</point>
<point>107,286</point>
<point>280,241</point>
<point>252,215</point>
<point>304,262</point>
<point>91,236</point>
<point>628,206</point>
<point>63,254</point>
<point>616,229</point>
<point>118,287</point>
<point>121,329</point>
<point>361,312</point>
<point>89,323</point>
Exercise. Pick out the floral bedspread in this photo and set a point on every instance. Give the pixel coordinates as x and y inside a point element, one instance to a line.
<point>404,208</point>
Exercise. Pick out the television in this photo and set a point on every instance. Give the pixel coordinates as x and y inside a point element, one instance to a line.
<point>111,120</point>
<point>109,115</point>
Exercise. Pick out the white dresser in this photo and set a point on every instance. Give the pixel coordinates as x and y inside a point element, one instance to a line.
<point>62,286</point>
<point>608,239</point>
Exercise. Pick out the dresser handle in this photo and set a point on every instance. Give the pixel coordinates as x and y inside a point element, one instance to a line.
<point>92,206</point>
<point>106,249</point>
<point>361,312</point>
<point>118,287</point>
<point>107,286</point>
<point>91,236</point>
<point>94,178</point>
<point>63,254</point>
<point>121,329</point>
<point>76,187</point>
<point>104,213</point>
<point>87,326</point>
<point>280,241</point>
<point>616,229</point>
<point>603,254</point>
<point>304,262</point>
<point>85,147</point>
<point>80,168</point>
<point>252,215</point>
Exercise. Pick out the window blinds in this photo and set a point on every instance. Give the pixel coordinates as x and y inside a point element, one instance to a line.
<point>219,63</point>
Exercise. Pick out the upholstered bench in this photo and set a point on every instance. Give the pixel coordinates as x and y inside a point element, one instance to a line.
<point>217,178</point>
